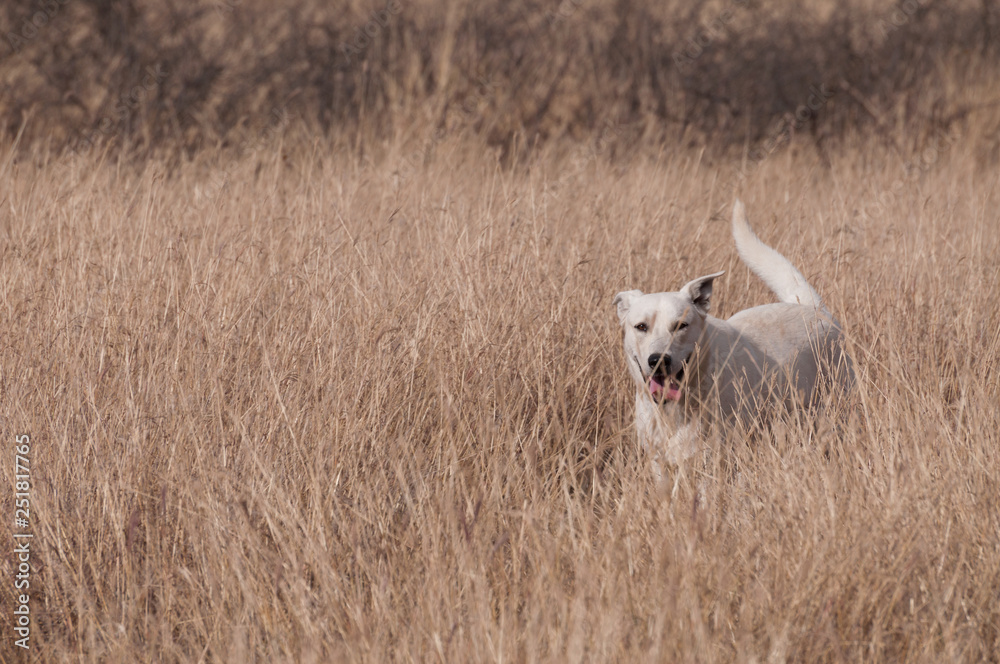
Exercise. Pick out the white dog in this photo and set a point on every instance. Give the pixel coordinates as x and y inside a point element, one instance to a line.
<point>692,369</point>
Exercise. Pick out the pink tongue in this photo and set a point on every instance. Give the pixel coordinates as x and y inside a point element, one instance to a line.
<point>656,389</point>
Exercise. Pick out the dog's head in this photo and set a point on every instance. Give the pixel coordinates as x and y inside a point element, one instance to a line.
<point>661,331</point>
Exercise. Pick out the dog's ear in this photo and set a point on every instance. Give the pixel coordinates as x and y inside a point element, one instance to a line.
<point>700,291</point>
<point>624,301</point>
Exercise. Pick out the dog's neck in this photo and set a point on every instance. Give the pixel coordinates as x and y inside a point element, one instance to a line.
<point>698,396</point>
<point>700,362</point>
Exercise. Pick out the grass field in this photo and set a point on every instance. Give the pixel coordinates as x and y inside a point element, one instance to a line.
<point>307,406</point>
<point>306,313</point>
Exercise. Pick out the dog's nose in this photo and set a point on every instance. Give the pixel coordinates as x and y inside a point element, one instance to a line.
<point>659,359</point>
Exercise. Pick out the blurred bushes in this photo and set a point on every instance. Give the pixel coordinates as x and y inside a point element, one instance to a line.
<point>730,75</point>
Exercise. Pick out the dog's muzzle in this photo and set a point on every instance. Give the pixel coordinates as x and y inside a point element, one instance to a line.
<point>664,386</point>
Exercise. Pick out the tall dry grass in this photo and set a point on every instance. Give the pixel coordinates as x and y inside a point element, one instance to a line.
<point>332,407</point>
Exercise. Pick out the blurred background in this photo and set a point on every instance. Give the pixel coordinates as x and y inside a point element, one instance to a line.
<point>730,76</point>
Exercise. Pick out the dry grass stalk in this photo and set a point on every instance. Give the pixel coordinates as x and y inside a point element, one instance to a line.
<point>323,411</point>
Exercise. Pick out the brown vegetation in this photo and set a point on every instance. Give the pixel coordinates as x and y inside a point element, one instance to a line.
<point>724,74</point>
<point>325,411</point>
<point>353,388</point>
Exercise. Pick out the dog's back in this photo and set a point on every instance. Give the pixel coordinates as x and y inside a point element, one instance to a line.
<point>799,333</point>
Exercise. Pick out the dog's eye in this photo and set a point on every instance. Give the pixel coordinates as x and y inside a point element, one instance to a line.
<point>680,326</point>
<point>641,327</point>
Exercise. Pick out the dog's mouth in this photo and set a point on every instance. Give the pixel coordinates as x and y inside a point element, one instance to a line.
<point>663,387</point>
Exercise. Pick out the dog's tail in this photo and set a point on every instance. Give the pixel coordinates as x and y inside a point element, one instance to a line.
<point>774,269</point>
